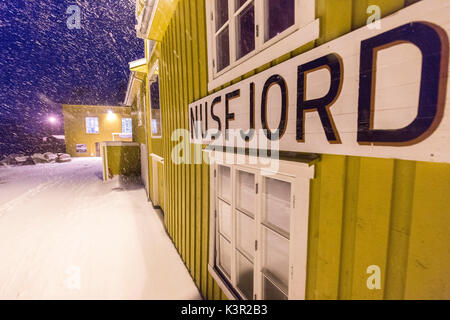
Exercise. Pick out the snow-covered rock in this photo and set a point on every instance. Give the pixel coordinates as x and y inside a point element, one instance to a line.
<point>4,163</point>
<point>10,160</point>
<point>64,157</point>
<point>50,156</point>
<point>39,158</point>
<point>24,160</point>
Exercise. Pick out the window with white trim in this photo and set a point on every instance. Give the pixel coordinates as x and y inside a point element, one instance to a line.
<point>241,29</point>
<point>92,126</point>
<point>155,107</point>
<point>139,106</point>
<point>127,125</point>
<point>259,229</point>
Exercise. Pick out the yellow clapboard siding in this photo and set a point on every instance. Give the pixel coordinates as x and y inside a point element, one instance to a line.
<point>362,212</point>
<point>185,25</point>
<point>205,168</point>
<point>335,18</point>
<point>349,217</point>
<point>387,7</point>
<point>180,125</point>
<point>400,226</point>
<point>331,203</point>
<point>427,275</point>
<point>372,224</point>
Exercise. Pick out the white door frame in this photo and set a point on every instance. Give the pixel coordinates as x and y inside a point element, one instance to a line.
<point>155,194</point>
<point>144,168</point>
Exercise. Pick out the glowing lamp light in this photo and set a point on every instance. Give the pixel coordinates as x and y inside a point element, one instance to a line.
<point>52,120</point>
<point>111,115</point>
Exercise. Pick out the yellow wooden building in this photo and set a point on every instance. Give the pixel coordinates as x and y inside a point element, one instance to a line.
<point>86,127</point>
<point>352,93</point>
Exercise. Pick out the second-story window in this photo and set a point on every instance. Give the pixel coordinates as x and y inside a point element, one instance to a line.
<point>139,107</point>
<point>240,31</point>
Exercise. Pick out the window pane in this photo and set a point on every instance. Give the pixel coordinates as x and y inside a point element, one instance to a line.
<point>271,292</point>
<point>280,15</point>
<point>221,13</point>
<point>224,175</point>
<point>127,126</point>
<point>276,258</point>
<point>245,276</point>
<point>245,234</point>
<point>92,125</point>
<point>223,49</point>
<point>245,29</point>
<point>246,193</point>
<point>277,204</point>
<point>156,123</point>
<point>225,219</point>
<point>238,4</point>
<point>154,95</point>
<point>224,255</point>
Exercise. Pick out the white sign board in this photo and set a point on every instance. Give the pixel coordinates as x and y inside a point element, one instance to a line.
<point>377,93</point>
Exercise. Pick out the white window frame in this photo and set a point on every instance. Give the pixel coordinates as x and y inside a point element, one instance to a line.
<point>305,29</point>
<point>299,175</point>
<point>139,106</point>
<point>152,78</point>
<point>131,121</point>
<point>86,125</point>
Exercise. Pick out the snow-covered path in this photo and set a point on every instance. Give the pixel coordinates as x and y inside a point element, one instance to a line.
<point>64,234</point>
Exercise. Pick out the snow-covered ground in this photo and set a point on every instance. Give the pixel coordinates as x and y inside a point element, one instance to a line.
<point>65,234</point>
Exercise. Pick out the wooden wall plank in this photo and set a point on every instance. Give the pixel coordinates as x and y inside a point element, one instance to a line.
<point>190,196</point>
<point>427,274</point>
<point>335,19</point>
<point>177,105</point>
<point>349,218</point>
<point>372,224</point>
<point>331,204</point>
<point>173,86</point>
<point>400,228</point>
<point>204,168</point>
<point>197,92</point>
<point>180,125</point>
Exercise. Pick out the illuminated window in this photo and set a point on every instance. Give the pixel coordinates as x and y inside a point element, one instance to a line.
<point>155,109</point>
<point>92,125</point>
<point>127,125</point>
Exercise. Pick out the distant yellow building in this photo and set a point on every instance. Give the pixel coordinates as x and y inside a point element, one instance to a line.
<point>87,126</point>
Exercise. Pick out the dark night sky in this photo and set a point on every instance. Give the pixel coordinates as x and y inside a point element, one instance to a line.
<point>43,63</point>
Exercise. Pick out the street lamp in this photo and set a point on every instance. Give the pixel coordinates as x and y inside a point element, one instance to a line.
<point>53,121</point>
<point>111,116</point>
